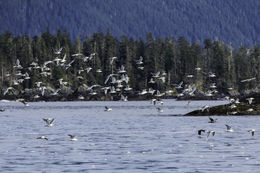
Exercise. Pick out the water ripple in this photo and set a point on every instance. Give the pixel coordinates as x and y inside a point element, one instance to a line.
<point>133,137</point>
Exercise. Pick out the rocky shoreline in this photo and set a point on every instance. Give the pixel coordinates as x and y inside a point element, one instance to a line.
<point>234,108</point>
<point>67,94</point>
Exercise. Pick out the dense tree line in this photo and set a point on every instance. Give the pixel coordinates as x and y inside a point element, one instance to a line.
<point>177,58</point>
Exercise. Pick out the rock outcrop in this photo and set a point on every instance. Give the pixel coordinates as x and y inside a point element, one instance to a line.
<point>234,108</point>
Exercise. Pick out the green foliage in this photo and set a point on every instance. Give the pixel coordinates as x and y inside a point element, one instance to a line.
<point>177,58</point>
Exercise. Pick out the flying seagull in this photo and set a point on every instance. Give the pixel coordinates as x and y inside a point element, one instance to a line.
<point>107,109</point>
<point>49,121</point>
<point>211,120</point>
<point>201,130</point>
<point>42,137</point>
<point>139,61</point>
<point>72,137</point>
<point>211,132</point>
<point>160,110</point>
<point>250,100</point>
<point>9,89</point>
<point>112,59</point>
<point>23,102</point>
<point>229,129</point>
<point>153,101</point>
<point>248,80</point>
<point>57,52</point>
<point>252,131</point>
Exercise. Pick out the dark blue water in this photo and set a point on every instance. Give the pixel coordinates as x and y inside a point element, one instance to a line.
<point>133,137</point>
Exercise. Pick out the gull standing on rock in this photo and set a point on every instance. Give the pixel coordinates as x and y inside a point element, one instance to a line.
<point>205,108</point>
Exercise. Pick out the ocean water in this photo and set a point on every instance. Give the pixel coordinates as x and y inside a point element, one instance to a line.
<point>133,137</point>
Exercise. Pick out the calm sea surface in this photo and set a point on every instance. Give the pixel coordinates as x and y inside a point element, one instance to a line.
<point>133,138</point>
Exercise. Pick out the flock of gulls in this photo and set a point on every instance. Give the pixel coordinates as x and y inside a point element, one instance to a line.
<point>212,132</point>
<point>49,123</point>
<point>116,83</point>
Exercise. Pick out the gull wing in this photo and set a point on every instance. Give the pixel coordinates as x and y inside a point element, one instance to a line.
<point>228,127</point>
<point>51,121</point>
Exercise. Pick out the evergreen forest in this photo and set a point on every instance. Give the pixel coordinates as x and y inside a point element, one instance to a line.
<point>168,65</point>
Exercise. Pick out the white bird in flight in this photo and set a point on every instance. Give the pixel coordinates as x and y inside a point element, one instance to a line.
<point>211,132</point>
<point>211,120</point>
<point>252,131</point>
<point>140,61</point>
<point>42,137</point>
<point>23,102</point>
<point>107,109</point>
<point>160,110</point>
<point>49,121</point>
<point>57,52</point>
<point>112,59</point>
<point>8,90</point>
<point>229,129</point>
<point>211,75</point>
<point>72,137</point>
<point>248,80</point>
<point>250,100</point>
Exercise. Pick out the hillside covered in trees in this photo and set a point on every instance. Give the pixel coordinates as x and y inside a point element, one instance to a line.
<point>230,21</point>
<point>174,66</point>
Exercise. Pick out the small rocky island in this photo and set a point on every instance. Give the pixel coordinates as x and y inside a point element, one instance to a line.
<point>246,105</point>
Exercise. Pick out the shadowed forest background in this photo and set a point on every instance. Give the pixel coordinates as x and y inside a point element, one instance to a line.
<point>185,42</point>
<point>175,56</point>
<point>233,21</point>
